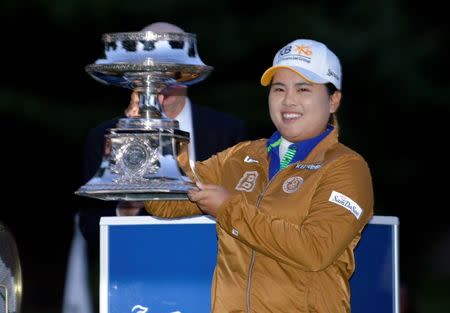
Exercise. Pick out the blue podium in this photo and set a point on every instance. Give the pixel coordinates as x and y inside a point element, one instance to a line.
<point>152,265</point>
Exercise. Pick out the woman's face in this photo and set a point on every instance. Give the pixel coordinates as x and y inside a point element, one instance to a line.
<point>299,109</point>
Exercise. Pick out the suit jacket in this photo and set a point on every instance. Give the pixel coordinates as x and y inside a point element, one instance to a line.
<point>214,131</point>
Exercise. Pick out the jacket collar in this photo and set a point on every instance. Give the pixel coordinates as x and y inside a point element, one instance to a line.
<point>257,149</point>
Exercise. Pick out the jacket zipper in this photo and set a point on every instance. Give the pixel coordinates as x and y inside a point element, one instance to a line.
<point>252,260</point>
<point>249,280</point>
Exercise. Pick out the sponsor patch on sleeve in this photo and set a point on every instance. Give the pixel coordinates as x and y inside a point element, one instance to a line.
<point>346,202</point>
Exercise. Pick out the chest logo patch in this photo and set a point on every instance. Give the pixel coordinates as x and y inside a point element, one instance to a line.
<point>247,182</point>
<point>292,184</point>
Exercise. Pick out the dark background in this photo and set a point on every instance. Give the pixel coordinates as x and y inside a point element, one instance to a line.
<point>395,107</point>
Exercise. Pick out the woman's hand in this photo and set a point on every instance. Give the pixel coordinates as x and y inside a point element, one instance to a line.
<point>208,197</point>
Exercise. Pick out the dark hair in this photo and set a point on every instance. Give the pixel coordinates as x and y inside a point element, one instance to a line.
<point>331,89</point>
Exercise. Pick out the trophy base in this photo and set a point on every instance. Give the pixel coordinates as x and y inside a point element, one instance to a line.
<point>110,195</point>
<point>137,192</point>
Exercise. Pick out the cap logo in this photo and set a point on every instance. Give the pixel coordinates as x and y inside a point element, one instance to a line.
<point>303,49</point>
<point>300,49</point>
<point>333,74</point>
<point>303,53</point>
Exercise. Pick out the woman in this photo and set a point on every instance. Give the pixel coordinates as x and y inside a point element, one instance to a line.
<point>289,209</point>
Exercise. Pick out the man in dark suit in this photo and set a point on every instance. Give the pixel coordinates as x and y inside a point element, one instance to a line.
<point>210,132</point>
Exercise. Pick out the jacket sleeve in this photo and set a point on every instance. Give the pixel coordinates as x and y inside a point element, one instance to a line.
<point>171,209</point>
<point>325,233</point>
<point>208,171</point>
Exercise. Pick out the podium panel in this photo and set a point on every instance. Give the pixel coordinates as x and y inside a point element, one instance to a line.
<point>152,265</point>
<point>375,283</point>
<point>156,265</point>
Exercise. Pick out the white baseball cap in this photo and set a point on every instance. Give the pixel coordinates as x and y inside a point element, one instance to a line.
<point>310,59</point>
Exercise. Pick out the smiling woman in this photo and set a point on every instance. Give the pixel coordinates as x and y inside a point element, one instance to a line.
<point>394,55</point>
<point>290,209</point>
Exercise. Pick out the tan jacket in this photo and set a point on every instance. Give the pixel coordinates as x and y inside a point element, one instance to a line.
<point>284,245</point>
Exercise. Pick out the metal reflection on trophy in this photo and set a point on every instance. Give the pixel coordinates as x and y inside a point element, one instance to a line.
<point>146,157</point>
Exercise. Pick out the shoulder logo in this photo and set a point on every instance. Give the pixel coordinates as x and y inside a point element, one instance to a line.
<point>247,182</point>
<point>346,202</point>
<point>249,160</point>
<point>292,184</point>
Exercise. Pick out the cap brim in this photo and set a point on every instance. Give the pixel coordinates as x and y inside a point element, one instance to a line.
<point>266,78</point>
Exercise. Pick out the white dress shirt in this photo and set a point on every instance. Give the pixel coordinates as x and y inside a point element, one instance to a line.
<point>185,120</point>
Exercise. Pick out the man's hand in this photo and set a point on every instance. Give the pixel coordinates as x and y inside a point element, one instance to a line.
<point>129,208</point>
<point>208,197</point>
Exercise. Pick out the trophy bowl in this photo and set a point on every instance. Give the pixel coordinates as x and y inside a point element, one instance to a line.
<point>145,157</point>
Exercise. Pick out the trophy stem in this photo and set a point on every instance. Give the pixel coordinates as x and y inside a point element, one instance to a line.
<point>149,106</point>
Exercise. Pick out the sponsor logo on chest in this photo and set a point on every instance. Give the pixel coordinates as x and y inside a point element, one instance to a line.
<point>292,184</point>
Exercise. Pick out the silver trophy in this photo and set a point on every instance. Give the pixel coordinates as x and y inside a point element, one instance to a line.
<point>146,157</point>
